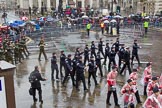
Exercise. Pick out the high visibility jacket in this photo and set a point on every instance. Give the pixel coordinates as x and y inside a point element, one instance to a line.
<point>102,25</point>
<point>88,26</point>
<point>146,24</point>
<point>143,14</point>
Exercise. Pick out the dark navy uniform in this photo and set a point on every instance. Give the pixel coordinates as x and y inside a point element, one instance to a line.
<point>121,55</point>
<point>100,47</point>
<point>93,49</point>
<point>116,45</point>
<point>69,70</point>
<point>86,54</point>
<point>36,85</point>
<point>92,71</point>
<point>127,61</point>
<point>135,52</point>
<point>62,62</point>
<point>54,66</point>
<point>80,74</point>
<point>112,55</point>
<point>107,50</point>
<point>98,63</point>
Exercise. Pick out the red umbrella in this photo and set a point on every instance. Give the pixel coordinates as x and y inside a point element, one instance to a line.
<point>24,18</point>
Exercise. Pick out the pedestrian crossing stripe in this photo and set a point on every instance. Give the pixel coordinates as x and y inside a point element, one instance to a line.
<point>0,86</point>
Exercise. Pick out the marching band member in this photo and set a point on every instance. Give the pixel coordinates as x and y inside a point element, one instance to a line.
<point>134,76</point>
<point>147,76</point>
<point>128,92</point>
<point>152,84</point>
<point>155,100</point>
<point>111,80</point>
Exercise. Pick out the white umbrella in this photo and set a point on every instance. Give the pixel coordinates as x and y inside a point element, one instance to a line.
<point>85,17</point>
<point>104,18</point>
<point>118,16</point>
<point>147,17</point>
<point>106,21</point>
<point>131,15</point>
<point>113,20</point>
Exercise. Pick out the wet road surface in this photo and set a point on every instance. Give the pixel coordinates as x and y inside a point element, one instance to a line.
<point>57,96</point>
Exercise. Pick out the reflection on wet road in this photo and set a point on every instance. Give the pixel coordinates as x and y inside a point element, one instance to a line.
<point>57,96</point>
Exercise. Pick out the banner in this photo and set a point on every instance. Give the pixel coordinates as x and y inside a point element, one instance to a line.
<point>3,103</point>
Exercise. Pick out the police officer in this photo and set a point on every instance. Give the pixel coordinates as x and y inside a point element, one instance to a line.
<point>135,52</point>
<point>80,74</point>
<point>121,54</point>
<point>116,45</point>
<point>41,46</point>
<point>112,55</point>
<point>92,70</point>
<point>88,27</point>
<point>100,47</point>
<point>98,63</point>
<point>107,50</point>
<point>126,61</point>
<point>93,49</point>
<point>36,85</point>
<point>68,70</point>
<point>86,54</point>
<point>62,62</point>
<point>54,66</point>
<point>146,24</point>
<point>75,61</point>
<point>78,53</point>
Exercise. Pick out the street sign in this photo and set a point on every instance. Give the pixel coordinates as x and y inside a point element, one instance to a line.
<point>3,103</point>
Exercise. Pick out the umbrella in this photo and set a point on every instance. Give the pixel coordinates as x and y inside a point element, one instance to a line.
<point>106,21</point>
<point>147,17</point>
<point>22,25</point>
<point>108,16</point>
<point>131,15</point>
<point>104,18</point>
<point>42,19</point>
<point>50,19</point>
<point>113,20</point>
<point>85,17</point>
<point>118,16</point>
<point>24,18</point>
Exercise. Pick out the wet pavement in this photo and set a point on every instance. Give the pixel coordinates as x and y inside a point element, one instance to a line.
<point>57,96</point>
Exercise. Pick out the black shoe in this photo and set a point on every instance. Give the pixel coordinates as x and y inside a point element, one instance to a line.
<point>89,84</point>
<point>108,103</point>
<point>52,79</point>
<point>77,89</point>
<point>140,102</point>
<point>35,100</point>
<point>41,101</point>
<point>96,84</point>
<point>117,105</point>
<point>85,90</point>
<point>74,85</point>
